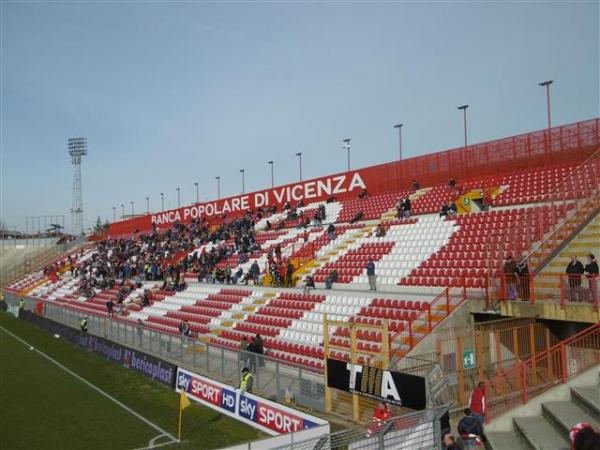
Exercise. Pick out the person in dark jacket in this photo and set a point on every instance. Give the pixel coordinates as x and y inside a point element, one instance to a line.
<point>331,278</point>
<point>470,430</point>
<point>406,208</point>
<point>523,273</point>
<point>591,270</point>
<point>289,272</point>
<point>574,272</point>
<point>509,269</point>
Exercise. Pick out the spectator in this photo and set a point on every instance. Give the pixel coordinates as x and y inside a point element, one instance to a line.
<point>415,185</point>
<point>591,270</point>
<point>522,270</point>
<point>331,231</point>
<point>331,278</point>
<point>510,269</point>
<point>444,210</point>
<point>477,403</point>
<point>255,272</point>
<point>470,431</point>
<point>289,272</point>
<point>406,206</point>
<point>452,210</point>
<point>449,443</point>
<point>146,298</point>
<point>371,275</point>
<point>184,328</point>
<point>244,344</point>
<point>109,308</point>
<point>380,230</point>
<point>381,414</point>
<point>357,217</point>
<point>452,183</point>
<point>309,283</point>
<point>246,380</point>
<point>580,434</point>
<point>363,193</point>
<point>574,271</point>
<point>399,204</point>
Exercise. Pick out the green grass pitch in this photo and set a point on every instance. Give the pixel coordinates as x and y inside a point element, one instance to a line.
<point>43,407</point>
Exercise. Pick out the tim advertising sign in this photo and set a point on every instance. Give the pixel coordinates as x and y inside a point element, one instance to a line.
<point>267,416</point>
<point>398,388</point>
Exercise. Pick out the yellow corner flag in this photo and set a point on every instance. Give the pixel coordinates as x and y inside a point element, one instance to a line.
<point>184,402</point>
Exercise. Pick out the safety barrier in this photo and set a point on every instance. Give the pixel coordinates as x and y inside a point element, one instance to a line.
<point>543,371</point>
<point>543,287</point>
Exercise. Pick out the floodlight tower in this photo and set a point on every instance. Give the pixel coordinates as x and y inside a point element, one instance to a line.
<point>77,149</point>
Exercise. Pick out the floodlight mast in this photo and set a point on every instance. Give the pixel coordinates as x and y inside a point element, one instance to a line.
<point>77,149</point>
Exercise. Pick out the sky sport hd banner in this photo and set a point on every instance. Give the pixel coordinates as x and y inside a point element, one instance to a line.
<point>394,387</point>
<point>270,417</point>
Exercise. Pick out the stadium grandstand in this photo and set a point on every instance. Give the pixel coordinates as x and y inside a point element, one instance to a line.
<point>467,284</point>
<point>299,225</point>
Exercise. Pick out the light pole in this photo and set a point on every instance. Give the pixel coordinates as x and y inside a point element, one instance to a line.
<point>243,172</point>
<point>347,147</point>
<point>272,176</point>
<point>114,214</point>
<point>162,201</point>
<point>399,126</point>
<point>197,193</point>
<point>132,214</point>
<point>299,155</point>
<point>218,187</point>
<point>547,84</point>
<point>464,109</point>
<point>122,210</point>
<point>178,197</point>
<point>147,205</point>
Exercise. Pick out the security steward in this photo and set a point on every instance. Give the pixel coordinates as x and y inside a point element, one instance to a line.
<point>83,325</point>
<point>246,381</point>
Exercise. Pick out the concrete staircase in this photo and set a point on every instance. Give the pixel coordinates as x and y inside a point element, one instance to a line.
<point>588,241</point>
<point>550,430</point>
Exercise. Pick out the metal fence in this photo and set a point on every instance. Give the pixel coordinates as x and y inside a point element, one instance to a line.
<point>272,379</point>
<point>416,431</point>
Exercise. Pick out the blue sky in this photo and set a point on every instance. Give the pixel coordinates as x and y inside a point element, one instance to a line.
<point>172,93</point>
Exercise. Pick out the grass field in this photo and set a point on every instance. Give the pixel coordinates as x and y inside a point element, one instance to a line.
<point>42,406</point>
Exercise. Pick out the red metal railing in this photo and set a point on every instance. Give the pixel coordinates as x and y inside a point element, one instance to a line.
<point>545,287</point>
<point>529,378</point>
<point>425,316</point>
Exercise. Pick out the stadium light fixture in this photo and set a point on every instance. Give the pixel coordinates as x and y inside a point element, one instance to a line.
<point>197,192</point>
<point>347,147</point>
<point>122,210</point>
<point>243,172</point>
<point>547,84</point>
<point>147,205</point>
<point>114,213</point>
<point>299,155</point>
<point>272,175</point>
<point>218,187</point>
<point>162,201</point>
<point>178,197</point>
<point>399,126</point>
<point>464,109</point>
<point>132,213</point>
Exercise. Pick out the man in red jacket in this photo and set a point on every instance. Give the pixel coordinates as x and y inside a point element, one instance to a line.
<point>477,403</point>
<point>381,415</point>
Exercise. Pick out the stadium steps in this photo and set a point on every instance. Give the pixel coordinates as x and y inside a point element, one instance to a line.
<point>550,430</point>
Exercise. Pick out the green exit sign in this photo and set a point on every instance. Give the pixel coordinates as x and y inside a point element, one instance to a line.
<point>469,359</point>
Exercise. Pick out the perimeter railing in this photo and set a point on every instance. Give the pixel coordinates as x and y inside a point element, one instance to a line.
<point>543,371</point>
